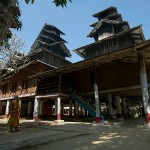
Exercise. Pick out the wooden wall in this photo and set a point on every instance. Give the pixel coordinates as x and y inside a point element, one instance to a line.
<point>50,59</point>
<point>109,45</point>
<point>112,76</point>
<point>21,76</point>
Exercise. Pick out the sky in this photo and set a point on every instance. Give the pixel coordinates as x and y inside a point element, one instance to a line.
<point>75,19</point>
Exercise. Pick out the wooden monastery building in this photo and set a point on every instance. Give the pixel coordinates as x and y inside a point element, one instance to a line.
<point>111,81</point>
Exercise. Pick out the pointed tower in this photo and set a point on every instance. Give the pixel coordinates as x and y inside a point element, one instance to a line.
<point>49,47</point>
<point>111,34</point>
<point>109,23</point>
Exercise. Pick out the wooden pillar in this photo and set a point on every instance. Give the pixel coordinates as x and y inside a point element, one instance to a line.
<point>109,100</point>
<point>86,113</point>
<point>55,112</point>
<point>59,111</point>
<point>29,108</point>
<point>118,107</point>
<point>0,107</point>
<point>79,108</point>
<point>81,111</point>
<point>36,108</point>
<point>58,108</point>
<point>144,87</point>
<point>20,104</point>
<point>124,107</point>
<point>96,97</point>
<point>70,107</point>
<point>62,108</point>
<point>41,107</point>
<point>7,108</point>
<point>59,82</point>
<point>76,110</point>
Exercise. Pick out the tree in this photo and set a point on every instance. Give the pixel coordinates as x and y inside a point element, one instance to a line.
<point>10,14</point>
<point>9,18</point>
<point>12,52</point>
<point>61,3</point>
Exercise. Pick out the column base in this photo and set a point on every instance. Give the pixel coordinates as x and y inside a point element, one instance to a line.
<point>6,116</point>
<point>36,118</point>
<point>147,126</point>
<point>94,124</point>
<point>97,119</point>
<point>59,121</point>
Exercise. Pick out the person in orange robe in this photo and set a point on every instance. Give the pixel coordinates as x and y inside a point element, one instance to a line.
<point>14,113</point>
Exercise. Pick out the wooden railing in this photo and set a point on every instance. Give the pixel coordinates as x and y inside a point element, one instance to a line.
<point>52,88</point>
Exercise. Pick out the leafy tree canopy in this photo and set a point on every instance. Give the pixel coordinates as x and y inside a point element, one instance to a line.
<point>62,3</point>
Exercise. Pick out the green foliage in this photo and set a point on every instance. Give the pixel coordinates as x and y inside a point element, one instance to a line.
<point>4,2</point>
<point>6,39</point>
<point>15,22</point>
<point>62,3</point>
<point>27,1</point>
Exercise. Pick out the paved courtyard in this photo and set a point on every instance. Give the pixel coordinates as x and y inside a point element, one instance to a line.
<point>45,135</point>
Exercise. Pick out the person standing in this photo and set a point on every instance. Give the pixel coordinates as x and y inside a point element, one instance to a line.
<point>14,114</point>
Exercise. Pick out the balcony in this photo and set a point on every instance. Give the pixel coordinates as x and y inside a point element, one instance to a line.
<point>52,88</point>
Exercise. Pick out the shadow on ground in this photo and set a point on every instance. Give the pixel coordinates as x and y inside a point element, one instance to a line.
<point>128,135</point>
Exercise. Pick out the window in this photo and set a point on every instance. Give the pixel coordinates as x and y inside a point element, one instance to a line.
<point>14,87</point>
<point>4,89</point>
<point>24,84</point>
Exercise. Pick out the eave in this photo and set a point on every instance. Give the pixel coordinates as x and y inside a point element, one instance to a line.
<point>82,50</point>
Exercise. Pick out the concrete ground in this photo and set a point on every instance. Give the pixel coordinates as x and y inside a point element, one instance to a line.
<point>45,135</point>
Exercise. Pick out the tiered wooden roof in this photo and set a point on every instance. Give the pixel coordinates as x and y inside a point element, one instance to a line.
<point>49,38</point>
<point>98,25</point>
<point>109,11</point>
<point>106,18</point>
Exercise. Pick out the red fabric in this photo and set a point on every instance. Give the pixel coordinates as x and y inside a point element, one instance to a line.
<point>97,119</point>
<point>58,116</point>
<point>148,118</point>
